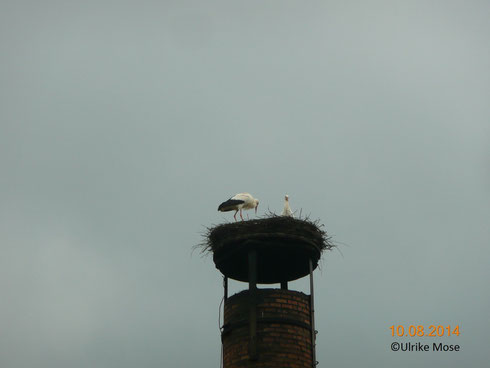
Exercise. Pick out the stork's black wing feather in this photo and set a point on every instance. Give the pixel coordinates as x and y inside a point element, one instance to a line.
<point>230,205</point>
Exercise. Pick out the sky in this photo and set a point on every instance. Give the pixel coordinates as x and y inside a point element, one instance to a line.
<point>123,126</point>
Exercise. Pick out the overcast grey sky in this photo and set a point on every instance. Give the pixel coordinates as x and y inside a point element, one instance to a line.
<point>124,124</point>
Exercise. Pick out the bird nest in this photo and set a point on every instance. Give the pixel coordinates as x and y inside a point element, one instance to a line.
<point>219,236</point>
<point>285,245</point>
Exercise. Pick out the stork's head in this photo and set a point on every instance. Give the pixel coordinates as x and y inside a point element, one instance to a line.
<point>286,197</point>
<point>256,202</point>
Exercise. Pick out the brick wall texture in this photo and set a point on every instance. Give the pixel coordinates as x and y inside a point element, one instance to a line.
<point>283,330</point>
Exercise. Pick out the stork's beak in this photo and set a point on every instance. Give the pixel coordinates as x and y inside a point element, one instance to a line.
<point>257,206</point>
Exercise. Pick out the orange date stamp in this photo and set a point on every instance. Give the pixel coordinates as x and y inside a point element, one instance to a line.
<point>426,331</point>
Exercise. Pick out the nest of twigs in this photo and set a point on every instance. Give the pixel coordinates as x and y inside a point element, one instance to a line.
<point>286,248</point>
<point>270,226</point>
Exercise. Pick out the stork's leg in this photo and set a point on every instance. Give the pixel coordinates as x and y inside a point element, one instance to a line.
<point>241,214</point>
<point>235,214</point>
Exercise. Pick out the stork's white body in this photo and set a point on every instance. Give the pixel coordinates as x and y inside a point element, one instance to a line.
<point>239,202</point>
<point>287,210</point>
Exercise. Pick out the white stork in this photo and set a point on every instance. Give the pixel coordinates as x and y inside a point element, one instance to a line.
<point>287,210</point>
<point>239,202</point>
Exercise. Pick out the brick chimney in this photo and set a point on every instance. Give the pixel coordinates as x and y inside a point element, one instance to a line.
<point>283,332</point>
